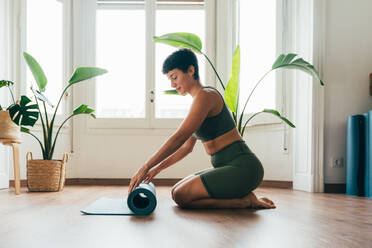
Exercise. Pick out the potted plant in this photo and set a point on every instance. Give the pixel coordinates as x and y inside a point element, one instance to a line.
<point>24,114</point>
<point>47,174</point>
<point>231,95</point>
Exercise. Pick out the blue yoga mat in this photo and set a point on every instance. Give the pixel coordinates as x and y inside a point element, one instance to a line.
<point>368,164</point>
<point>355,155</point>
<point>141,201</point>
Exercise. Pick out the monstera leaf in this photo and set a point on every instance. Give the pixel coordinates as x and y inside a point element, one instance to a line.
<point>24,113</point>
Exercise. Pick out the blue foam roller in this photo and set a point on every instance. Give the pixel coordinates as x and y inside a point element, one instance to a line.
<point>355,155</point>
<point>141,201</point>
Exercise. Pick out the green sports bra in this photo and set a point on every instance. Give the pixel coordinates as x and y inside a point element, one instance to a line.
<point>215,126</point>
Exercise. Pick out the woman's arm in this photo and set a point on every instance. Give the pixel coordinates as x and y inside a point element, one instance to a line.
<point>182,152</point>
<point>199,110</point>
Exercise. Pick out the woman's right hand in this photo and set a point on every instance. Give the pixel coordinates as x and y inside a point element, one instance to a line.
<point>151,174</point>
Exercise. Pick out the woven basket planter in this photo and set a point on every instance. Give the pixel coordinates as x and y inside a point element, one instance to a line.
<point>46,175</point>
<point>8,129</point>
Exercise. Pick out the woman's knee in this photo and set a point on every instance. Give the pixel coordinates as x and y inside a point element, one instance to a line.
<point>179,184</point>
<point>180,197</point>
<point>172,191</point>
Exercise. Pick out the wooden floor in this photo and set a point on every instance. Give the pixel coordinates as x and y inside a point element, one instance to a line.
<point>300,220</point>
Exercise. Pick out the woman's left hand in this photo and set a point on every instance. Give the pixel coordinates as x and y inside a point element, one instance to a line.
<point>137,178</point>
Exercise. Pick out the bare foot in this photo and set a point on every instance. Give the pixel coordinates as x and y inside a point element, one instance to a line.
<point>251,201</point>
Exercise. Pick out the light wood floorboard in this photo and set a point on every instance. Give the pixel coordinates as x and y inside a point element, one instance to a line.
<point>301,219</point>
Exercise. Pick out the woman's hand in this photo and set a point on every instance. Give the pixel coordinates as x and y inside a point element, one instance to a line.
<point>138,178</point>
<point>151,174</point>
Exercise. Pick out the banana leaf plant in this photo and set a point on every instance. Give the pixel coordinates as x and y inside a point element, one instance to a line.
<point>23,113</point>
<point>231,95</point>
<point>49,139</point>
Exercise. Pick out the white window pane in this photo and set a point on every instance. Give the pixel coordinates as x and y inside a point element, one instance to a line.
<point>45,44</point>
<point>120,49</point>
<point>258,52</point>
<point>169,21</point>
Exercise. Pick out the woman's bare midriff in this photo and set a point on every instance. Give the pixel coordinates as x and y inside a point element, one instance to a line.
<point>213,146</point>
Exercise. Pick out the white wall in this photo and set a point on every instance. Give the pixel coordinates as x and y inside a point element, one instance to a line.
<point>347,64</point>
<point>121,160</point>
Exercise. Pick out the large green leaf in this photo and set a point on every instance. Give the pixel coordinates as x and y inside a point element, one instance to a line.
<point>84,73</point>
<point>232,88</point>
<point>287,62</point>
<point>36,70</point>
<point>83,109</point>
<point>270,111</point>
<point>6,83</point>
<point>186,40</point>
<point>172,92</point>
<point>276,113</point>
<point>23,113</point>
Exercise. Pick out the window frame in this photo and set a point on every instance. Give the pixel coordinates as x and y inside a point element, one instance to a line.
<point>19,19</point>
<point>282,44</point>
<point>150,121</point>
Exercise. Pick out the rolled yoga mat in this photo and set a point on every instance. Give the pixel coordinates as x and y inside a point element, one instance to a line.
<point>141,201</point>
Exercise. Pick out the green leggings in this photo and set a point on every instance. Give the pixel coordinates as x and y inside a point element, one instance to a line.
<point>237,171</point>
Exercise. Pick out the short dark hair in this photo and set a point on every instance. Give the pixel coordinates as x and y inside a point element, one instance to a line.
<point>181,59</point>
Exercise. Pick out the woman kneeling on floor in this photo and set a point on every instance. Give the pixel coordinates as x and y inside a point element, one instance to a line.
<point>236,170</point>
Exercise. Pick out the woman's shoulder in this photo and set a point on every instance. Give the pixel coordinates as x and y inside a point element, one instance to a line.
<point>212,98</point>
<point>208,94</point>
<point>212,91</point>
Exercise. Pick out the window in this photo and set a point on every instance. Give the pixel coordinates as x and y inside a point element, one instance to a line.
<point>124,46</point>
<point>258,42</point>
<point>168,20</point>
<point>44,41</point>
<point>120,48</point>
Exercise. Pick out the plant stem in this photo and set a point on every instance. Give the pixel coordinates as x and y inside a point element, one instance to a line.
<point>245,124</point>
<point>11,93</point>
<point>214,71</point>
<point>47,126</point>
<point>53,118</point>
<point>254,89</point>
<point>45,155</point>
<point>41,145</point>
<point>55,139</point>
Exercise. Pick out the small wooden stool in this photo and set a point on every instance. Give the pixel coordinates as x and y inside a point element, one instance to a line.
<point>14,145</point>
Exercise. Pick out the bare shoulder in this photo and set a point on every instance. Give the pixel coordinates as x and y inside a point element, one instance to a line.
<point>211,99</point>
<point>207,95</point>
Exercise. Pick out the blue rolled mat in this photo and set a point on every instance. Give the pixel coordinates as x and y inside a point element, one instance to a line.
<point>355,155</point>
<point>141,201</point>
